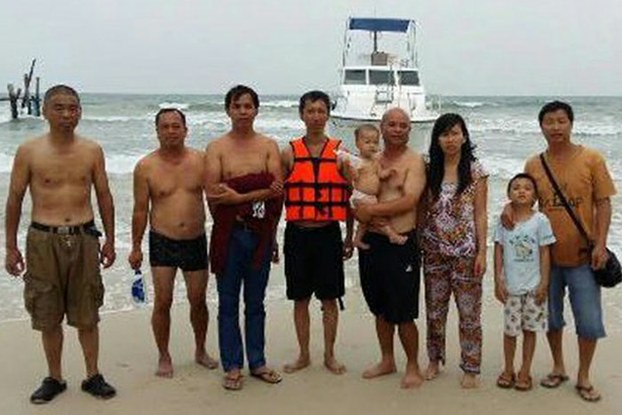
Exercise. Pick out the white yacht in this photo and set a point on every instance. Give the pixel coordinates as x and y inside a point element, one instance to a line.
<point>385,77</point>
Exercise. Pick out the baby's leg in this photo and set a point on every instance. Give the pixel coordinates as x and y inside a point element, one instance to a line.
<point>357,199</point>
<point>358,237</point>
<point>393,236</point>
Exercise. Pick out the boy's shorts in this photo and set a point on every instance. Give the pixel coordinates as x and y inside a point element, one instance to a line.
<point>522,313</point>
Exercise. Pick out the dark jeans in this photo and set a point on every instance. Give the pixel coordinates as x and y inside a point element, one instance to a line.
<point>238,269</point>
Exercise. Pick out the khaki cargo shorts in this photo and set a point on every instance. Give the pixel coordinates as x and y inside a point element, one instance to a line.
<point>62,277</point>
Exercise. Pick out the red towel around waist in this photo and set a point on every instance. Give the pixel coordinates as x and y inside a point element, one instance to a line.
<point>226,217</point>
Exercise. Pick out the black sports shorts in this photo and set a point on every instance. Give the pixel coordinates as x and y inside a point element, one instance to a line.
<point>314,262</point>
<point>390,277</point>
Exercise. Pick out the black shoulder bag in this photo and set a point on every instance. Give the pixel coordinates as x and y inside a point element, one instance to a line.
<point>611,274</point>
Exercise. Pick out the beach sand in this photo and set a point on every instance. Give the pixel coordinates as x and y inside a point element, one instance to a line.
<point>128,358</point>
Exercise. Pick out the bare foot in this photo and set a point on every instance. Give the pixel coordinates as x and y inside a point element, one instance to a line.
<point>206,360</point>
<point>165,367</point>
<point>469,381</point>
<point>381,369</point>
<point>412,378</point>
<point>299,364</point>
<point>432,371</point>
<point>334,366</point>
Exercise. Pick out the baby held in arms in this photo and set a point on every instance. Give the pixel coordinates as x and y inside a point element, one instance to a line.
<point>366,173</point>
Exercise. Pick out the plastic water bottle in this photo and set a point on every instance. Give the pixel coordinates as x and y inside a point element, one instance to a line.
<point>139,291</point>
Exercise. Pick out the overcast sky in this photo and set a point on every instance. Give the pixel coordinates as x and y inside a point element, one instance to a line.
<point>466,47</point>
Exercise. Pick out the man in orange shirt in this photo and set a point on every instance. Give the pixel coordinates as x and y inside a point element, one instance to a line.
<point>583,177</point>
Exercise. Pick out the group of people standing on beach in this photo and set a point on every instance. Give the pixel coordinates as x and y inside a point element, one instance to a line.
<point>411,210</point>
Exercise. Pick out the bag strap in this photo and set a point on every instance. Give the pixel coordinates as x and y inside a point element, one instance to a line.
<point>561,196</point>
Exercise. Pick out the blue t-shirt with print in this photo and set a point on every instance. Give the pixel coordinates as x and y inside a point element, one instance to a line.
<point>521,252</point>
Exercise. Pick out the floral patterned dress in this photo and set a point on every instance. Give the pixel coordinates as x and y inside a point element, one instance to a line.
<point>449,243</point>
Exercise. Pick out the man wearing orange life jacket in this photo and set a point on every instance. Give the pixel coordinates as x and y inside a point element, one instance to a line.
<point>316,200</point>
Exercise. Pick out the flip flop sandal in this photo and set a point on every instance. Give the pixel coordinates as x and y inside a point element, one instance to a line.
<point>268,376</point>
<point>523,385</point>
<point>506,382</point>
<point>588,393</point>
<point>233,383</point>
<point>553,380</point>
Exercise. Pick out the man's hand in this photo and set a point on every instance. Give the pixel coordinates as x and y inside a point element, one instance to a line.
<point>14,262</point>
<point>542,292</point>
<point>501,291</point>
<point>277,187</point>
<point>136,258</point>
<point>275,253</point>
<point>599,256</point>
<point>108,255</point>
<point>348,248</point>
<point>507,217</point>
<point>224,195</point>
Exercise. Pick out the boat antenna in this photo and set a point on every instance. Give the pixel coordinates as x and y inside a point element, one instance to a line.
<point>375,34</point>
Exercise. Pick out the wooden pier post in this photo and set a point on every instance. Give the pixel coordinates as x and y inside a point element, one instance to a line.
<point>31,103</point>
<point>37,99</point>
<point>26,103</point>
<point>13,98</point>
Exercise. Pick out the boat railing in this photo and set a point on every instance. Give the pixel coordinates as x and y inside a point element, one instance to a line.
<point>389,59</point>
<point>384,94</point>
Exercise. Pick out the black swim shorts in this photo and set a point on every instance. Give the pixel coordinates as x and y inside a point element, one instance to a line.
<point>314,262</point>
<point>186,254</point>
<point>390,277</point>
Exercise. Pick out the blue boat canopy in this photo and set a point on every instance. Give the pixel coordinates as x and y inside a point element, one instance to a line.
<point>373,24</point>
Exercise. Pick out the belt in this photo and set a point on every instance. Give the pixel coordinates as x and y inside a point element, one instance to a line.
<point>63,230</point>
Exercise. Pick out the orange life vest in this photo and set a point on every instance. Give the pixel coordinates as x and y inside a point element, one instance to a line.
<point>315,190</point>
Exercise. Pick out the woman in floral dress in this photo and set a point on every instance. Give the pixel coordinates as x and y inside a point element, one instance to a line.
<point>454,222</point>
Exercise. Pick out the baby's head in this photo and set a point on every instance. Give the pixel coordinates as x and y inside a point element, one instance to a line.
<point>522,190</point>
<point>367,140</point>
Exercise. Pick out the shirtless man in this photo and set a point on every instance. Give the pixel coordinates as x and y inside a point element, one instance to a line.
<point>313,247</point>
<point>390,272</point>
<point>243,184</point>
<point>62,249</point>
<point>168,188</point>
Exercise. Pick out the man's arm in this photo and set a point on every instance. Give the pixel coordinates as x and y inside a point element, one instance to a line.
<point>220,193</point>
<point>20,178</point>
<point>545,272</point>
<point>139,214</point>
<point>213,174</point>
<point>348,247</point>
<point>287,160</point>
<point>106,207</point>
<point>602,220</point>
<point>273,166</point>
<point>414,184</point>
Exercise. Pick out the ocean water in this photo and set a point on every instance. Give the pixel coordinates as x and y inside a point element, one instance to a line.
<point>505,130</point>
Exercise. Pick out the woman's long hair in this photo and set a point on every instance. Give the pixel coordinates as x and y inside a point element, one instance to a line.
<point>436,166</point>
